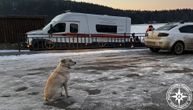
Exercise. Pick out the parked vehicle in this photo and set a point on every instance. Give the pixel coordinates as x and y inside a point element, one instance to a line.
<point>176,37</point>
<point>71,28</point>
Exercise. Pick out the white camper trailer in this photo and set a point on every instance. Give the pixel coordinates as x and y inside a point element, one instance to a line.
<point>73,27</point>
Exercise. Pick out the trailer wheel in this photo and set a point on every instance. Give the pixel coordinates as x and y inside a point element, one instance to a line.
<point>35,45</point>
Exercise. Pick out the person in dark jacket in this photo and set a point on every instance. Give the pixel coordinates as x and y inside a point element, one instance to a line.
<point>150,28</point>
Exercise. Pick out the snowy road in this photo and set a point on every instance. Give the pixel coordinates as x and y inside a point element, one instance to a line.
<point>101,80</point>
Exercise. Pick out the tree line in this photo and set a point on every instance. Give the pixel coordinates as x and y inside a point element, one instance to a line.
<point>51,8</point>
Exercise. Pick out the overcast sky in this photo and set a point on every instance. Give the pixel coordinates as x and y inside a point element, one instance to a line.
<point>144,4</point>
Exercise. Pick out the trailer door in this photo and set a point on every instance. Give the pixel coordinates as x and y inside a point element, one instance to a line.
<point>73,27</point>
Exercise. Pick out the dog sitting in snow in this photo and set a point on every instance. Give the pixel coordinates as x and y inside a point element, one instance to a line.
<point>57,81</point>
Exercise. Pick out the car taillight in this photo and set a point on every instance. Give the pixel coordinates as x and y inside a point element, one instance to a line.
<point>163,34</point>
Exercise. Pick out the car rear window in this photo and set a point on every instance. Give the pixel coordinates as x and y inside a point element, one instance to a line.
<point>186,29</point>
<point>167,27</point>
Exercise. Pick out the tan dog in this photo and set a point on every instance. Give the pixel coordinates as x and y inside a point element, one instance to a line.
<point>57,81</point>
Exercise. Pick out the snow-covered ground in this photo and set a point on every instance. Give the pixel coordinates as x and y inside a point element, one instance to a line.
<point>103,79</point>
<point>109,79</point>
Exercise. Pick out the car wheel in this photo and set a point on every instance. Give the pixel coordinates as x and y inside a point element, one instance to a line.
<point>178,48</point>
<point>38,44</point>
<point>154,50</point>
<point>35,45</point>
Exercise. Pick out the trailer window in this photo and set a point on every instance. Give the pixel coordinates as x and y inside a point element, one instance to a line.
<point>60,27</point>
<point>74,28</point>
<point>106,28</point>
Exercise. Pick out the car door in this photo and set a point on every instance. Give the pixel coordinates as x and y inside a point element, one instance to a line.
<point>56,31</point>
<point>59,28</point>
<point>187,33</point>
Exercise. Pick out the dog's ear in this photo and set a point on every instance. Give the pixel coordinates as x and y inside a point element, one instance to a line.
<point>63,61</point>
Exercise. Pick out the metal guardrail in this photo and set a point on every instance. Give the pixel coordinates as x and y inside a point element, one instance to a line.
<point>81,41</point>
